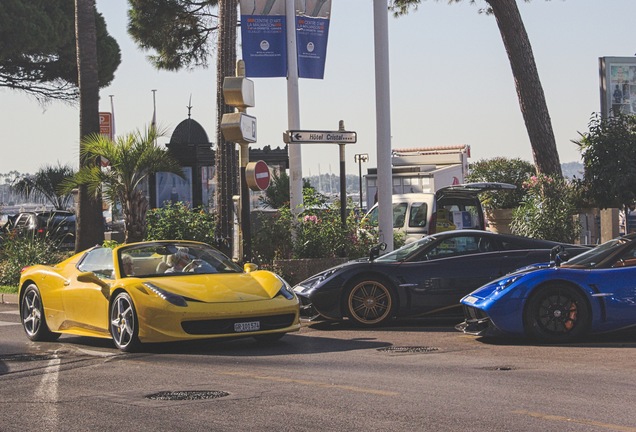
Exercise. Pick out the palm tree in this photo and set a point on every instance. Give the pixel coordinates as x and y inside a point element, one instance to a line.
<point>534,107</point>
<point>131,159</point>
<point>90,229</point>
<point>46,184</point>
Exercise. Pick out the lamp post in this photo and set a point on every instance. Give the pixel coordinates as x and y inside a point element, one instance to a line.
<point>359,158</point>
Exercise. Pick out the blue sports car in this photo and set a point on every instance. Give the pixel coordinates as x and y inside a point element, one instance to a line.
<point>593,292</point>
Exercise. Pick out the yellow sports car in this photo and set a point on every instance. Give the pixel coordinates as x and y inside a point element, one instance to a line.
<point>156,291</point>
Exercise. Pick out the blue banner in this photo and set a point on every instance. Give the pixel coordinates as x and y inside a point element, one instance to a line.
<point>264,38</point>
<point>311,45</point>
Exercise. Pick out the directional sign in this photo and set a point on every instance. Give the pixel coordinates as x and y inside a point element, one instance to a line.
<point>307,136</point>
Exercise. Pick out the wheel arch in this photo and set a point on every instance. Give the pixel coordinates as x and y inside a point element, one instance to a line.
<point>555,283</point>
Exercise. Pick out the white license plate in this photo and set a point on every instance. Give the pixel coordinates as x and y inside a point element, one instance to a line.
<point>247,326</point>
<point>471,299</point>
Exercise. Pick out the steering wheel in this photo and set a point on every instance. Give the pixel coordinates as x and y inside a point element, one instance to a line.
<point>192,265</point>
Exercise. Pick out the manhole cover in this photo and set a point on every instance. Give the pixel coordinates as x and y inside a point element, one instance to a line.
<point>409,349</point>
<point>499,368</point>
<point>187,395</point>
<point>27,357</point>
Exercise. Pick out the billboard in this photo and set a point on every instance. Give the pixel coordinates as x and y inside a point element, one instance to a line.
<point>618,85</point>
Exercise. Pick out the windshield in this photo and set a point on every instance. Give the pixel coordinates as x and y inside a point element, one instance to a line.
<point>405,251</point>
<point>153,259</point>
<point>594,256</point>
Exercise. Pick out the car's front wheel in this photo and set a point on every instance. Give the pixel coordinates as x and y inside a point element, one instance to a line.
<point>557,313</point>
<point>32,316</point>
<point>369,302</point>
<point>124,326</point>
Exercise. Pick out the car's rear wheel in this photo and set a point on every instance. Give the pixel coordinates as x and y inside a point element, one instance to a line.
<point>124,326</point>
<point>369,302</point>
<point>557,313</point>
<point>32,316</point>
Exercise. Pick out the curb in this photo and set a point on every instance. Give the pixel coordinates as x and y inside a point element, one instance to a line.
<point>9,298</point>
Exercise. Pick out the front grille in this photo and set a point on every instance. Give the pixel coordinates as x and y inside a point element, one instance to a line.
<point>226,326</point>
<point>471,313</point>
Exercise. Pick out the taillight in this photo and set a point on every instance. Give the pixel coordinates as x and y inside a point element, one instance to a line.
<point>41,230</point>
<point>24,269</point>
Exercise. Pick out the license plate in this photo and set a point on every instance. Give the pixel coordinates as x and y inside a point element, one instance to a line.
<point>471,299</point>
<point>247,326</point>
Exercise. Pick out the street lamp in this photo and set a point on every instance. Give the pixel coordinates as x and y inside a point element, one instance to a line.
<point>359,158</point>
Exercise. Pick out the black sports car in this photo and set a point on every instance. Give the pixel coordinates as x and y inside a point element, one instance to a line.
<point>422,278</point>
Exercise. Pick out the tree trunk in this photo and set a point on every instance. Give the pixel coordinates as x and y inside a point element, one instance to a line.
<point>135,216</point>
<point>90,222</point>
<point>226,155</point>
<point>529,90</point>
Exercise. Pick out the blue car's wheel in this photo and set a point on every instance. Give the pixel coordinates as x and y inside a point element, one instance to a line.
<point>557,313</point>
<point>32,316</point>
<point>369,302</point>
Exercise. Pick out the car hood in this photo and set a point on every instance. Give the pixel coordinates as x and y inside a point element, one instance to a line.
<point>222,288</point>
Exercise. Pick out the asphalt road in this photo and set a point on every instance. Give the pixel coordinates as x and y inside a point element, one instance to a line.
<point>411,376</point>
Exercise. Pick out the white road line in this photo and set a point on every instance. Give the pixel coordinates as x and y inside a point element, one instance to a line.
<point>47,393</point>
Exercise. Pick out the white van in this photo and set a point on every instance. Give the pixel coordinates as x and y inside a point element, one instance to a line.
<point>452,207</point>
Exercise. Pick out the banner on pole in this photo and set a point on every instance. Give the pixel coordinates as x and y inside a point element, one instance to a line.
<point>264,37</point>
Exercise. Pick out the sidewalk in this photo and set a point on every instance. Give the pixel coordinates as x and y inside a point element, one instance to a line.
<point>9,298</point>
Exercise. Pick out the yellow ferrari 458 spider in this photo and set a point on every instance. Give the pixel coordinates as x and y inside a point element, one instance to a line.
<point>157,291</point>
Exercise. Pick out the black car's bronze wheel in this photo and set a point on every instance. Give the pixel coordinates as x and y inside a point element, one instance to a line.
<point>32,316</point>
<point>557,313</point>
<point>369,302</point>
<point>124,326</point>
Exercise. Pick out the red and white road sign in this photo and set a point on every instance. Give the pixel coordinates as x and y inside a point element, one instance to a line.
<point>106,124</point>
<point>257,175</point>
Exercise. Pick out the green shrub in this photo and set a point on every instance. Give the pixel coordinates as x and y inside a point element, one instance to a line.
<point>19,252</point>
<point>178,222</point>
<point>548,210</point>
<point>504,170</point>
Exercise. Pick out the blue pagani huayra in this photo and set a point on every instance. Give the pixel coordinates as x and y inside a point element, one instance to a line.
<point>594,292</point>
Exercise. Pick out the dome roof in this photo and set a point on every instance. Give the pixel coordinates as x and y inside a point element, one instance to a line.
<point>189,132</point>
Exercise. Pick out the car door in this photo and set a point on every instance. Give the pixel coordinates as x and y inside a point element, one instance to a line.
<point>85,303</point>
<point>448,270</point>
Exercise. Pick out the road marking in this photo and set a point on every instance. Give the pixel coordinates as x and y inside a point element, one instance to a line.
<point>312,383</point>
<point>6,323</point>
<point>585,422</point>
<point>47,394</point>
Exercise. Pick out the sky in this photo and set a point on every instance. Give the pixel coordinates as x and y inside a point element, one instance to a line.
<point>450,84</point>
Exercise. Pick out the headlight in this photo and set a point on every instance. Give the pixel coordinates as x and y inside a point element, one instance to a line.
<point>506,282</point>
<point>285,290</point>
<point>314,281</point>
<point>174,299</point>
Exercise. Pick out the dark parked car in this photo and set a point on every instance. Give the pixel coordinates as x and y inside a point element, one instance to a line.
<point>422,278</point>
<point>55,225</point>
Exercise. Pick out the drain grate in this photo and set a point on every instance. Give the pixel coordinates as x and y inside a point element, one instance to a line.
<point>187,395</point>
<point>27,357</point>
<point>409,349</point>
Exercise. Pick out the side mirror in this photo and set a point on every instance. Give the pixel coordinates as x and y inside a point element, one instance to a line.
<point>90,277</point>
<point>559,255</point>
<point>249,267</point>
<point>375,251</point>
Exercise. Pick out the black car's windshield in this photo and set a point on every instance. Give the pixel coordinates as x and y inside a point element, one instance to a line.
<point>153,259</point>
<point>406,251</point>
<point>592,257</point>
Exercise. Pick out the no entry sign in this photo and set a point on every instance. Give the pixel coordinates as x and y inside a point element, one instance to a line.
<point>257,175</point>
